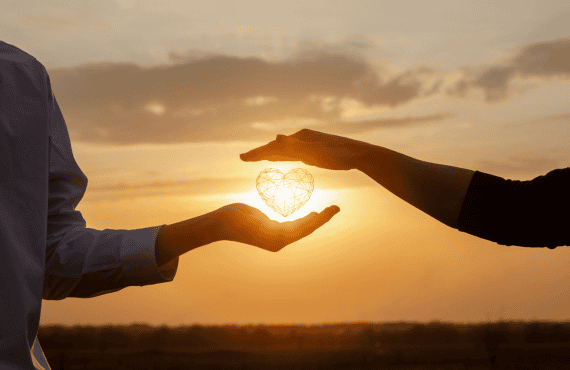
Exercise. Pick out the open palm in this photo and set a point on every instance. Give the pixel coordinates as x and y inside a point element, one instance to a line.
<point>246,224</point>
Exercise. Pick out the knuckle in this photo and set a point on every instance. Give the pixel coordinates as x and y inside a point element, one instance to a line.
<point>274,227</point>
<point>302,133</point>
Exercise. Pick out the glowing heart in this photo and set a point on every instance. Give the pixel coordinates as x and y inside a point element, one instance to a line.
<point>285,193</point>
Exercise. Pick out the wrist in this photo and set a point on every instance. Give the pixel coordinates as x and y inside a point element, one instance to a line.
<point>176,239</point>
<point>365,158</point>
<point>163,252</point>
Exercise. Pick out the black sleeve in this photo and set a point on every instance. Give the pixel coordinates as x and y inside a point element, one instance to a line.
<point>532,213</point>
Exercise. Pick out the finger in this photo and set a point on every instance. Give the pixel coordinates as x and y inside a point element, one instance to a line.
<point>306,225</point>
<point>281,149</point>
<point>311,136</point>
<point>257,153</point>
<point>262,153</point>
<point>306,135</point>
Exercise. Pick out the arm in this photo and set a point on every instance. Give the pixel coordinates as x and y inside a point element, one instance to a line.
<point>240,223</point>
<point>507,212</point>
<point>83,262</point>
<point>524,213</point>
<point>529,213</point>
<point>176,239</point>
<point>436,189</point>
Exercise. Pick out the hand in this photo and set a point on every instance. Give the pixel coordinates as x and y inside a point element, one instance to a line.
<point>312,148</point>
<point>245,224</point>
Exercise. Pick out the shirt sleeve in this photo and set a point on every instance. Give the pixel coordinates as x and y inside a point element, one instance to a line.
<point>530,213</point>
<point>83,262</point>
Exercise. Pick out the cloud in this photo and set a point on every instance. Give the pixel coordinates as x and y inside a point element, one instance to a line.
<point>205,186</point>
<point>360,42</point>
<point>526,166</point>
<point>63,23</point>
<point>367,125</point>
<point>564,117</point>
<point>545,60</point>
<point>201,186</point>
<point>207,97</point>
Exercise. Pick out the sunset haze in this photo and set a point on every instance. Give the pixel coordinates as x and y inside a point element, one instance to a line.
<point>160,98</point>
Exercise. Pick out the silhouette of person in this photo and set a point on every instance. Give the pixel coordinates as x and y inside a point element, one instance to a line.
<point>523,213</point>
<point>46,250</point>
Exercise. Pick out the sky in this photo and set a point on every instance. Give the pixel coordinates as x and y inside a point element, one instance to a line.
<point>160,98</point>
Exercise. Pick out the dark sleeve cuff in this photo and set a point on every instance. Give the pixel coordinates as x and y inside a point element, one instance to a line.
<point>524,213</point>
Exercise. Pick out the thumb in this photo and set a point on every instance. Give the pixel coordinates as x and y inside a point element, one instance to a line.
<point>290,142</point>
<point>306,225</point>
<point>297,148</point>
<point>283,148</point>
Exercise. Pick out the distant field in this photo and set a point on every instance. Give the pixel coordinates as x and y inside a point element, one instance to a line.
<point>501,345</point>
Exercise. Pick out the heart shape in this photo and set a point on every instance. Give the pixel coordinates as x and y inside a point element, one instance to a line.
<point>285,193</point>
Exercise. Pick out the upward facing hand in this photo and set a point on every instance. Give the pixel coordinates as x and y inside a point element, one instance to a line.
<point>312,148</point>
<point>245,224</point>
<point>236,222</point>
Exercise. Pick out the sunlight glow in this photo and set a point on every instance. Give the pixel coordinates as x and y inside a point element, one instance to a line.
<point>287,123</point>
<point>260,100</point>
<point>320,199</point>
<point>155,108</point>
<point>285,192</point>
<point>352,109</point>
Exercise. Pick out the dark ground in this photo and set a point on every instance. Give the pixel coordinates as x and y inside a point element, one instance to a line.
<point>501,345</point>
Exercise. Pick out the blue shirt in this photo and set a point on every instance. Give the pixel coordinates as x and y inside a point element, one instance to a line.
<point>46,250</point>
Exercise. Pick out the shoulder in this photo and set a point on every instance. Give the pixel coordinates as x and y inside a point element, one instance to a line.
<point>10,54</point>
<point>20,65</point>
<point>555,178</point>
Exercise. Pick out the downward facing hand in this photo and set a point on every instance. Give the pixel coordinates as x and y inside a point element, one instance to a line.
<point>313,148</point>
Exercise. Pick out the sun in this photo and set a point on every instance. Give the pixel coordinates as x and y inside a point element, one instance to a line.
<point>285,192</point>
<point>320,199</point>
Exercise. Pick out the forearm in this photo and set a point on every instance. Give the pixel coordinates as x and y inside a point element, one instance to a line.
<point>176,239</point>
<point>436,189</point>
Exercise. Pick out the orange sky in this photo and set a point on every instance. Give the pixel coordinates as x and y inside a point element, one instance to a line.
<point>160,100</point>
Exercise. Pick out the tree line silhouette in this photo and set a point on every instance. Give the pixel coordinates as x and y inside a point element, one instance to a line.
<point>364,345</point>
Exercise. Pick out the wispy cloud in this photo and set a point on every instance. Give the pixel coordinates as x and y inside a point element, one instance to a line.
<point>63,23</point>
<point>526,166</point>
<point>565,117</point>
<point>211,97</point>
<point>204,186</point>
<point>221,98</point>
<point>367,125</point>
<point>544,60</point>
